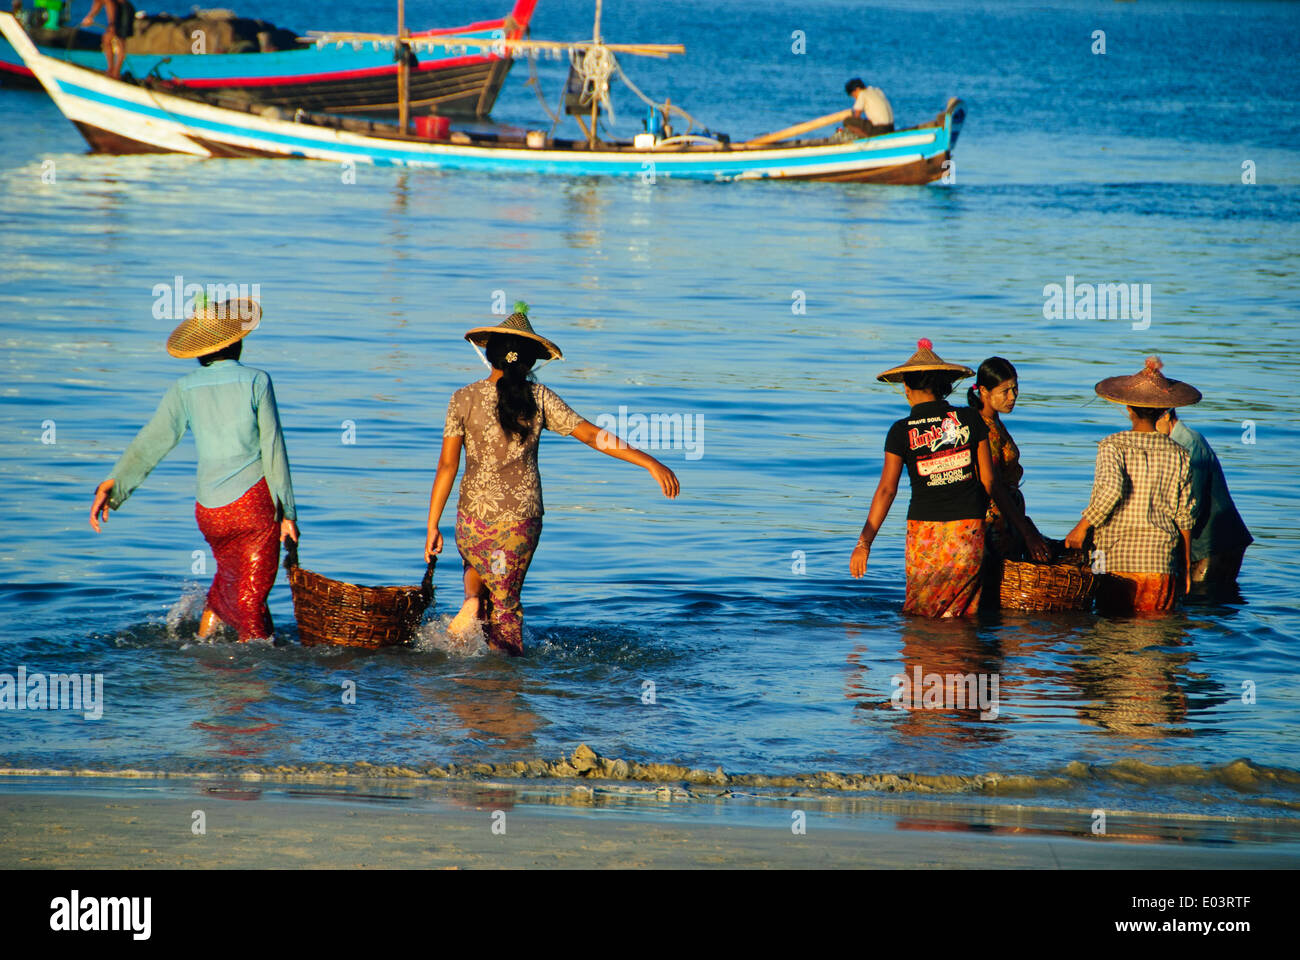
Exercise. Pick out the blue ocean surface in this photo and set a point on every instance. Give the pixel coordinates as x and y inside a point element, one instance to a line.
<point>720,629</point>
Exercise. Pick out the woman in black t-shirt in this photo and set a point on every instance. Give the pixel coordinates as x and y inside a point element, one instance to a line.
<point>946,452</point>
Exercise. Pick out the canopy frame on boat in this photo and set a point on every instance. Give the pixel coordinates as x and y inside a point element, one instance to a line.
<point>597,64</point>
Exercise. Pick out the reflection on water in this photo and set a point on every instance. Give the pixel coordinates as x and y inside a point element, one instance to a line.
<point>1132,684</point>
<point>677,298</point>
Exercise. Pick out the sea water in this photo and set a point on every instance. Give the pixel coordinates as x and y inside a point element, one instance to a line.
<point>722,628</point>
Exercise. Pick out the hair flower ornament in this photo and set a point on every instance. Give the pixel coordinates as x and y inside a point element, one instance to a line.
<point>511,357</point>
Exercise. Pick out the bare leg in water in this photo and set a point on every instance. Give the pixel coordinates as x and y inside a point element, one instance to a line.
<point>476,603</point>
<point>208,623</point>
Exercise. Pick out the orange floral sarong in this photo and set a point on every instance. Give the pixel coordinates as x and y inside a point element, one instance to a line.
<point>1124,594</point>
<point>500,552</point>
<point>944,560</point>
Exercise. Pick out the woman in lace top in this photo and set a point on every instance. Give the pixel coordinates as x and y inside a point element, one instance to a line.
<point>498,423</point>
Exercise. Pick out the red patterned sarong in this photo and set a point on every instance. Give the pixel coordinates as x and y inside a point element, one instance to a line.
<point>500,553</point>
<point>245,541</point>
<point>1124,594</point>
<point>944,560</point>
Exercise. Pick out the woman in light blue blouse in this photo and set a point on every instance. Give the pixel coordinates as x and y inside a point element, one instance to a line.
<point>245,497</point>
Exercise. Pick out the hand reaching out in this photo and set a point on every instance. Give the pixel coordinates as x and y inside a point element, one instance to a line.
<point>99,508</point>
<point>858,562</point>
<point>1038,548</point>
<point>666,478</point>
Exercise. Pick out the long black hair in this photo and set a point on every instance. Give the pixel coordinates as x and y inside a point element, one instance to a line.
<point>938,382</point>
<point>516,405</point>
<point>992,373</point>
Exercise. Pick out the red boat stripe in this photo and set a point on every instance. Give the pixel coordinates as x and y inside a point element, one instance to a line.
<point>481,25</point>
<point>283,81</point>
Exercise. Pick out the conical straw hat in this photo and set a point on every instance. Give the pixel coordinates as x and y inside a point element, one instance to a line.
<point>212,326</point>
<point>924,359</point>
<point>517,323</point>
<point>1148,388</point>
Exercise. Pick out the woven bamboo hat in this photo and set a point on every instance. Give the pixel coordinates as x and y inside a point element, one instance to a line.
<point>1148,388</point>
<point>213,326</point>
<point>924,359</point>
<point>517,323</point>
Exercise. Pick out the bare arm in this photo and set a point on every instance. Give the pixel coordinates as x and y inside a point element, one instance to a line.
<point>1010,508</point>
<point>985,460</point>
<point>1107,491</point>
<point>614,446</point>
<point>448,467</point>
<point>94,9</point>
<point>881,501</point>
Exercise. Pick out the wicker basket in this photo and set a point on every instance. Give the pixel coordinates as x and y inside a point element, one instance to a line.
<point>333,612</point>
<point>1064,583</point>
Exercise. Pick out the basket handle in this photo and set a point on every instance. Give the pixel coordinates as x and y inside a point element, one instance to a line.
<point>426,585</point>
<point>290,553</point>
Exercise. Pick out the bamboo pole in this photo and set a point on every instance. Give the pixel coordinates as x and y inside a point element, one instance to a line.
<point>660,50</point>
<point>798,128</point>
<point>595,100</point>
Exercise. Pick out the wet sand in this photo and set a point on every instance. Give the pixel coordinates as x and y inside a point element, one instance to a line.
<point>89,823</point>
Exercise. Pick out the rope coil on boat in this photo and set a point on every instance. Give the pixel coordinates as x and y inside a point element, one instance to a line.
<point>595,66</point>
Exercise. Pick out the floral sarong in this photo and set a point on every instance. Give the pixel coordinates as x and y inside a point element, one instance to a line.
<point>944,560</point>
<point>500,553</point>
<point>245,541</point>
<point>1124,594</point>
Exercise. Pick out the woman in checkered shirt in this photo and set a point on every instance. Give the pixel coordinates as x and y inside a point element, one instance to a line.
<point>1142,506</point>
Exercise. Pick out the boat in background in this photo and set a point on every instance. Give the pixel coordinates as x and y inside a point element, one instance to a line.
<point>120,117</point>
<point>336,78</point>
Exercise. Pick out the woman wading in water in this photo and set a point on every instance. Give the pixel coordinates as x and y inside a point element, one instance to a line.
<point>498,421</point>
<point>1008,531</point>
<point>245,498</point>
<point>1142,507</point>
<point>946,452</point>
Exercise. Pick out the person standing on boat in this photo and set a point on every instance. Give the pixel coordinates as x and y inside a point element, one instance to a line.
<point>946,451</point>
<point>1009,532</point>
<point>1219,537</point>
<point>498,422</point>
<point>121,24</point>
<point>871,113</point>
<point>1142,503</point>
<point>245,497</point>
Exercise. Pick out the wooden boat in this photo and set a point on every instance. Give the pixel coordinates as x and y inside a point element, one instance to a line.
<point>121,117</point>
<point>337,78</point>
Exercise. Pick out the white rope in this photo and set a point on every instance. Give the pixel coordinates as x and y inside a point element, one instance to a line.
<point>595,67</point>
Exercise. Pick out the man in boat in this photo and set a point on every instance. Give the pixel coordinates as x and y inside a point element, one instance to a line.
<point>121,24</point>
<point>872,113</point>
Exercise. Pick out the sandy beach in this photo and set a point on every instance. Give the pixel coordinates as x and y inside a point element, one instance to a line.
<point>107,823</point>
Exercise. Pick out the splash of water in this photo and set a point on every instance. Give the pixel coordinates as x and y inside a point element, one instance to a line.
<point>182,617</point>
<point>434,637</point>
